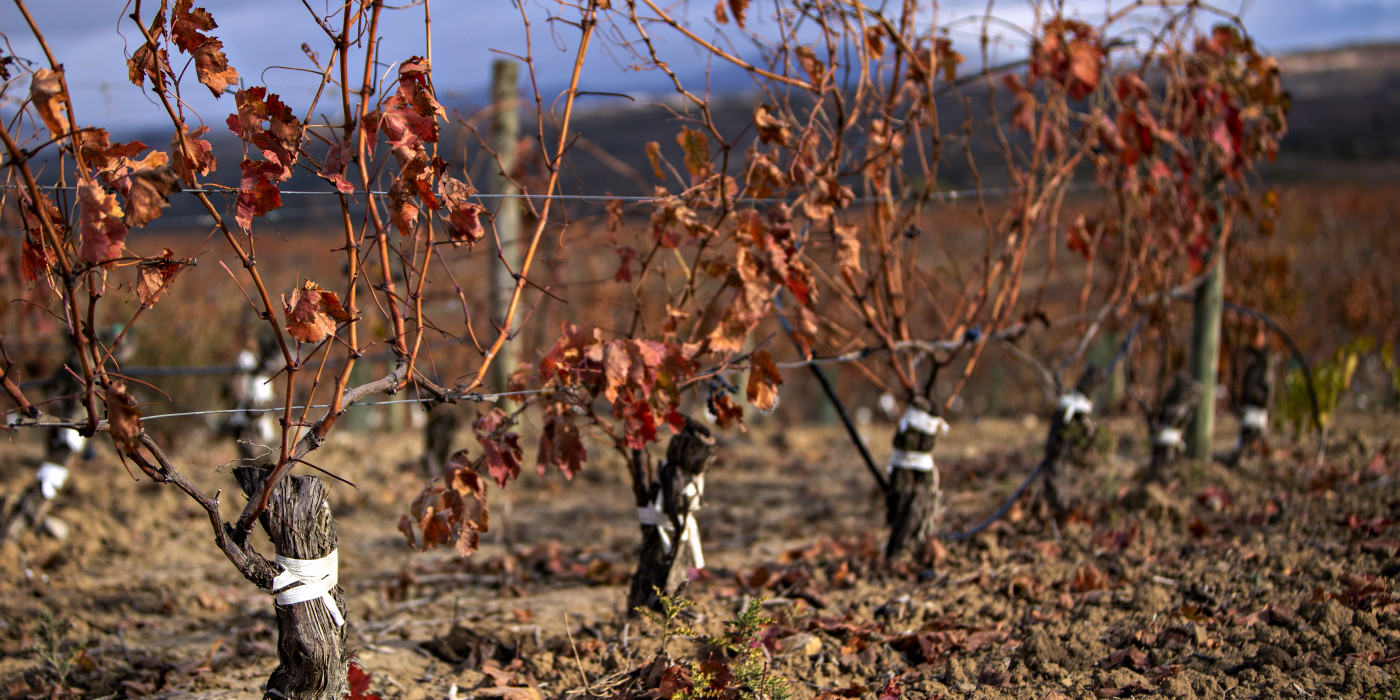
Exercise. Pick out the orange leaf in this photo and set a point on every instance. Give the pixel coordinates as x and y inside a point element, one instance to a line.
<point>764,380</point>
<point>155,275</point>
<point>313,313</point>
<point>50,101</point>
<point>123,418</point>
<point>100,222</point>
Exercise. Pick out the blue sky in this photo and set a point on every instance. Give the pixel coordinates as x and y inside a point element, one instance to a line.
<point>92,39</point>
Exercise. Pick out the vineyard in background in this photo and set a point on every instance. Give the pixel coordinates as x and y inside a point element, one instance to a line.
<point>889,223</point>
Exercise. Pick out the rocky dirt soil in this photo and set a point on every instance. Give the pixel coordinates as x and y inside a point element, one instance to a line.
<point>1273,579</point>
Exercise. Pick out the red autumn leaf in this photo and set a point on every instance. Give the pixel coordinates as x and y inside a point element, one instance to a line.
<point>257,193</point>
<point>155,275</point>
<point>197,155</point>
<point>123,418</point>
<point>890,691</point>
<point>501,449</point>
<point>463,220</point>
<point>100,153</point>
<point>561,443</point>
<point>212,68</point>
<point>1089,578</point>
<point>333,167</point>
<point>100,223</point>
<point>147,62</point>
<point>49,99</point>
<point>1085,65</point>
<point>567,360</point>
<point>38,259</point>
<point>402,209</point>
<point>267,123</point>
<point>764,380</point>
<point>454,514</point>
<point>187,27</point>
<point>358,679</point>
<point>1078,238</point>
<point>726,412</point>
<point>313,313</point>
<point>410,115</point>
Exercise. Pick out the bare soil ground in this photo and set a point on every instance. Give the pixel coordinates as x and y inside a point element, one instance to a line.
<point>1273,579</point>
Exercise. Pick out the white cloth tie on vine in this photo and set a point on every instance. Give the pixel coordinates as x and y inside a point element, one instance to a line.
<point>1255,417</point>
<point>1170,437</point>
<point>655,515</point>
<point>51,477</point>
<point>1075,403</point>
<point>318,577</point>
<point>923,422</point>
<point>73,440</point>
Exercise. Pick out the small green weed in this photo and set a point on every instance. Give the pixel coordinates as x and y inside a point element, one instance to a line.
<point>49,646</point>
<point>738,670</point>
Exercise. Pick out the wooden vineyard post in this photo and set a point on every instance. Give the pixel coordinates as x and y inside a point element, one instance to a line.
<point>1205,356</point>
<point>505,131</point>
<point>912,495</point>
<point>670,536</point>
<point>1075,408</point>
<point>1169,420</point>
<point>313,661</point>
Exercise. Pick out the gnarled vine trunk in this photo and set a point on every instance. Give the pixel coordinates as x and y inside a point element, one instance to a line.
<point>667,507</point>
<point>912,495</point>
<point>1075,409</point>
<point>313,661</point>
<point>1169,420</point>
<point>1255,389</point>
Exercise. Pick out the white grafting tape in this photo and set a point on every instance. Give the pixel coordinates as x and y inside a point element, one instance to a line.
<point>247,361</point>
<point>655,516</point>
<point>51,477</point>
<point>72,439</point>
<point>916,461</point>
<point>1170,437</point>
<point>922,421</point>
<point>1255,417</point>
<point>318,577</point>
<point>259,390</point>
<point>1075,403</point>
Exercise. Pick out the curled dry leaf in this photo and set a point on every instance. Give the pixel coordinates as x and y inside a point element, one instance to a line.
<point>333,167</point>
<point>463,217</point>
<point>155,275</point>
<point>697,152</point>
<point>502,450</point>
<point>123,418</point>
<point>452,515</point>
<point>195,155</point>
<point>654,157</point>
<point>100,223</point>
<point>49,99</point>
<point>257,192</point>
<point>148,192</point>
<point>764,380</point>
<point>313,313</point>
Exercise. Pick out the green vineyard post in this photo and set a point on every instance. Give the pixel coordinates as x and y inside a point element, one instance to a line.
<point>1205,356</point>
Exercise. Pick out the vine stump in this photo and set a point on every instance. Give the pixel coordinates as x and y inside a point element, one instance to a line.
<point>313,661</point>
<point>912,495</point>
<point>670,538</point>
